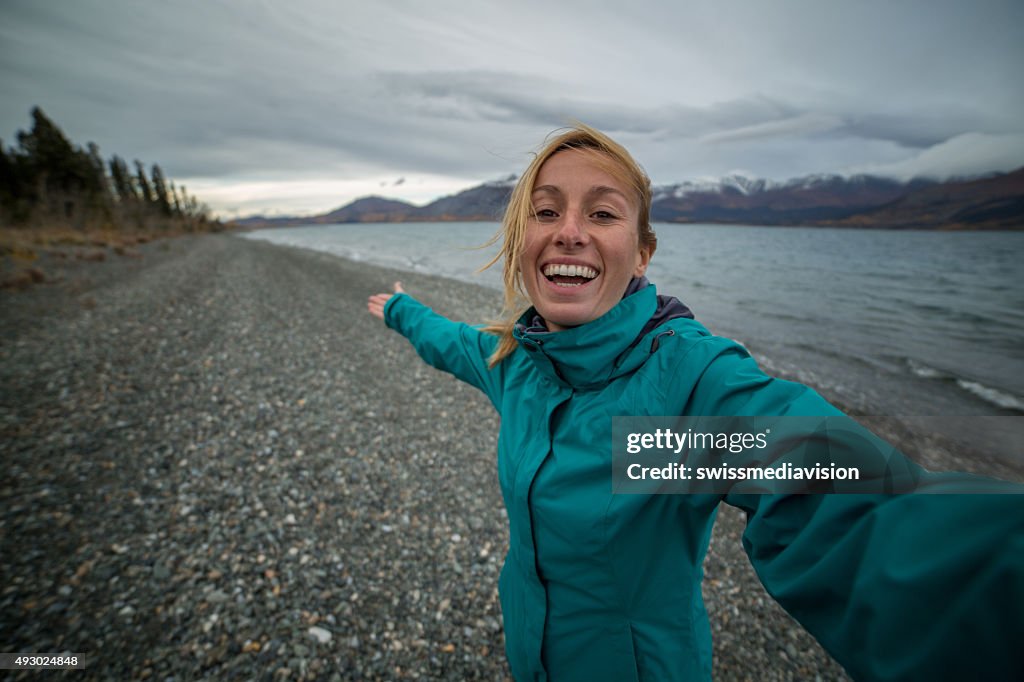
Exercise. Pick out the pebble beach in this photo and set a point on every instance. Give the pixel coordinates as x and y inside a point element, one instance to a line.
<point>218,465</point>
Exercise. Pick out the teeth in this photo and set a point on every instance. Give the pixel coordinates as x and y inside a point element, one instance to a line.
<point>569,271</point>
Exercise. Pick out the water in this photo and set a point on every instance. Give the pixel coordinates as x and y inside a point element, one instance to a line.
<point>889,323</point>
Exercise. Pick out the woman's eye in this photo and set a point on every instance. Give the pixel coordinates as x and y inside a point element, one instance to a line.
<point>604,215</point>
<point>545,214</point>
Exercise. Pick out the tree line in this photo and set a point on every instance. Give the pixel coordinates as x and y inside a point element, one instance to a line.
<point>46,181</point>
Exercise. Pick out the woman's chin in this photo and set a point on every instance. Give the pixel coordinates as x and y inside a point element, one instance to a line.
<point>564,316</point>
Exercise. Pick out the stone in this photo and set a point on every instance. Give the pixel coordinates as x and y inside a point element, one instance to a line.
<point>320,634</point>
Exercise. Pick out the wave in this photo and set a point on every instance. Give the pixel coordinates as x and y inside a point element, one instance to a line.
<point>993,396</point>
<point>926,372</point>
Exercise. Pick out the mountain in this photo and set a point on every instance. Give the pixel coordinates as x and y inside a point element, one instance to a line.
<point>484,203</point>
<point>815,199</point>
<point>995,202</point>
<point>370,209</point>
<point>992,202</point>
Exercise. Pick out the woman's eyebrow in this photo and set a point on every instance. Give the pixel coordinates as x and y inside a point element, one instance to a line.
<point>599,190</point>
<point>548,189</point>
<point>595,191</point>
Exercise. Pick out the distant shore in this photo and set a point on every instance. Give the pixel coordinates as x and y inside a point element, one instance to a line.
<point>238,472</point>
<point>858,202</point>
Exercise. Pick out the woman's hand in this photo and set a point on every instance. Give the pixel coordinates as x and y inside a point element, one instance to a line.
<point>376,303</point>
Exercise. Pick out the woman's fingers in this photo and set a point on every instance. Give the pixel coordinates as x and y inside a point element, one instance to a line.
<point>377,302</point>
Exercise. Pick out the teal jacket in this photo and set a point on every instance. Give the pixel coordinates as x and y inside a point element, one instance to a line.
<point>602,586</point>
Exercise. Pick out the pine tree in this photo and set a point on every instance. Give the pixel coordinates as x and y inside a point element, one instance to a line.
<point>45,147</point>
<point>48,181</point>
<point>184,202</point>
<point>17,189</point>
<point>51,171</point>
<point>174,197</point>
<point>143,183</point>
<point>122,179</point>
<point>98,187</point>
<point>163,203</point>
<point>7,184</point>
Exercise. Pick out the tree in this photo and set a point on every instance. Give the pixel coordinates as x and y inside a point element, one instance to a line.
<point>122,180</point>
<point>184,202</point>
<point>8,178</point>
<point>174,197</point>
<point>48,181</point>
<point>50,169</point>
<point>99,192</point>
<point>163,203</point>
<point>7,175</point>
<point>45,147</point>
<point>143,182</point>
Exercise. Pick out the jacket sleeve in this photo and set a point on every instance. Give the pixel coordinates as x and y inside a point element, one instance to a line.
<point>453,347</point>
<point>896,587</point>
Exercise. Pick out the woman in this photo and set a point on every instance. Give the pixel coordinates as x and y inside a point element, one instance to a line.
<point>599,586</point>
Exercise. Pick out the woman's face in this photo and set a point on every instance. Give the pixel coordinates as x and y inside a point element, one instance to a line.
<point>582,242</point>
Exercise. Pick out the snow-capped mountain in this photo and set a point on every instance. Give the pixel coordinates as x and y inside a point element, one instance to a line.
<point>991,202</point>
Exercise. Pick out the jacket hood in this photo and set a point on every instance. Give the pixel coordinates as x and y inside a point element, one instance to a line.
<point>669,307</point>
<point>594,353</point>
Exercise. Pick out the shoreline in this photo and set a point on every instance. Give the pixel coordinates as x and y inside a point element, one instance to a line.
<point>892,362</point>
<point>237,471</point>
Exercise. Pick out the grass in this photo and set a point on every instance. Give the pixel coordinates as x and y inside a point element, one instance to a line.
<point>23,250</point>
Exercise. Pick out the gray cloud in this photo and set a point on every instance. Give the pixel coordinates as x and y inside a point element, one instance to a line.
<point>316,91</point>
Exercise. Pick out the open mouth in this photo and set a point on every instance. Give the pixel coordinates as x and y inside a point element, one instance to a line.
<point>569,275</point>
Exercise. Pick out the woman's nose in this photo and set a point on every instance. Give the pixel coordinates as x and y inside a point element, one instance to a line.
<point>571,232</point>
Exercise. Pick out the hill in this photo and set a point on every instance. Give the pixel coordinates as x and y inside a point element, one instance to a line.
<point>987,203</point>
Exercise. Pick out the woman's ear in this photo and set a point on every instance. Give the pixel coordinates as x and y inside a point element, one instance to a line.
<point>642,261</point>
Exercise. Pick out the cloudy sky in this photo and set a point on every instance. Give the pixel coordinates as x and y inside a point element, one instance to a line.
<point>300,106</point>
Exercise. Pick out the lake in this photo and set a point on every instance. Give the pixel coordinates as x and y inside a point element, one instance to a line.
<point>889,323</point>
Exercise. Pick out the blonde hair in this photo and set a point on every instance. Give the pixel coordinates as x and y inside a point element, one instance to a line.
<point>611,157</point>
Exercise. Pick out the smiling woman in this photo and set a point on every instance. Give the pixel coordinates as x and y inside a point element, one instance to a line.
<point>604,586</point>
<point>583,201</point>
<point>582,244</point>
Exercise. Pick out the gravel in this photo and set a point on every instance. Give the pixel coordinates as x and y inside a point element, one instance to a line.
<point>218,465</point>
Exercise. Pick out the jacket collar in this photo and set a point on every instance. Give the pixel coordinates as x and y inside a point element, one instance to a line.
<point>594,353</point>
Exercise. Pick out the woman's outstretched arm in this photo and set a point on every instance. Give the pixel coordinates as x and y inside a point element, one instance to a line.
<point>914,586</point>
<point>453,347</point>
